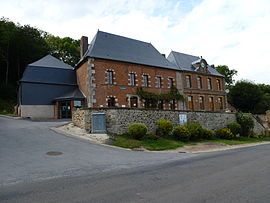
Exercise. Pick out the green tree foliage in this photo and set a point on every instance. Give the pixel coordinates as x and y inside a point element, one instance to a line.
<point>19,45</point>
<point>228,74</point>
<point>245,95</point>
<point>66,49</point>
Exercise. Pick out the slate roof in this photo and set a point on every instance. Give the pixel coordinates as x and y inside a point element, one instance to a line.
<point>51,71</point>
<point>185,61</point>
<point>114,47</point>
<point>50,61</point>
<point>74,93</point>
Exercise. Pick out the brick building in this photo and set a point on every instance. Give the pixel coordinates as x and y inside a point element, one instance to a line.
<point>204,86</point>
<point>112,68</point>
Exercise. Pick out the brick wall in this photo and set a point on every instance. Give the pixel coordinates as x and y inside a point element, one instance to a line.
<point>82,78</point>
<point>121,87</point>
<point>195,92</point>
<point>99,92</point>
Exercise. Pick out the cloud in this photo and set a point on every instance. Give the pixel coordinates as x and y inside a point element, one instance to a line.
<point>235,33</point>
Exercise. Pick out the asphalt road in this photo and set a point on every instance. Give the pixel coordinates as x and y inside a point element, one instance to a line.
<point>94,173</point>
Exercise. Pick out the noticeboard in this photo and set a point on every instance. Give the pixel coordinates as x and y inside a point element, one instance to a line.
<point>182,119</point>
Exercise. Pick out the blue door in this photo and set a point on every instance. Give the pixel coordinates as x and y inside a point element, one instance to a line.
<point>98,123</point>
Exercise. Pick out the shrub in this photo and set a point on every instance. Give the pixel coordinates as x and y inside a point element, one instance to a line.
<point>164,127</point>
<point>181,133</point>
<point>225,133</point>
<point>207,134</point>
<point>137,130</point>
<point>234,127</point>
<point>195,130</point>
<point>246,122</point>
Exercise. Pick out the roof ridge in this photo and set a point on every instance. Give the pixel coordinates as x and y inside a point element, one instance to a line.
<point>185,54</point>
<point>124,37</point>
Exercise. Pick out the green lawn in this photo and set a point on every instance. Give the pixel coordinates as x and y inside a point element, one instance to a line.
<point>240,140</point>
<point>152,145</point>
<point>168,144</point>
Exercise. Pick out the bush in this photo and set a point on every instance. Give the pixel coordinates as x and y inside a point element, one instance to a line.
<point>195,130</point>
<point>246,122</point>
<point>225,133</point>
<point>207,134</point>
<point>164,127</point>
<point>137,130</point>
<point>234,127</point>
<point>181,133</point>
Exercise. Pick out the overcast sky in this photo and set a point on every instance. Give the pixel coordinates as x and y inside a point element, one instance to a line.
<point>231,32</point>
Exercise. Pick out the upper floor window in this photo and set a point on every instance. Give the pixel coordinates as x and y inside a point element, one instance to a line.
<point>145,80</point>
<point>201,103</point>
<point>218,85</point>
<point>199,82</point>
<point>170,82</point>
<point>159,82</point>
<point>110,77</point>
<point>209,83</point>
<point>132,78</point>
<point>188,81</point>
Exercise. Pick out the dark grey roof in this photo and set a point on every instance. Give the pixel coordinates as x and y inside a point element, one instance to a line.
<point>50,61</point>
<point>184,62</point>
<point>36,73</point>
<point>114,47</point>
<point>75,93</point>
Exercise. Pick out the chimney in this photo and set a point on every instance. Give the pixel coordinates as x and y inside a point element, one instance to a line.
<point>83,45</point>
<point>163,55</point>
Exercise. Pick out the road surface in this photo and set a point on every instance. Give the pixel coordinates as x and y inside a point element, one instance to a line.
<point>87,172</point>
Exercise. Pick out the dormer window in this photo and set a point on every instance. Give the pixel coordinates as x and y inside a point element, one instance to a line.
<point>203,64</point>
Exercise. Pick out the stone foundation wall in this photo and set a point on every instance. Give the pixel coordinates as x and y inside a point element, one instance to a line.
<point>117,120</point>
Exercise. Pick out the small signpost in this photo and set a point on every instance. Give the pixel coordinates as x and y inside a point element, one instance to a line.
<point>182,119</point>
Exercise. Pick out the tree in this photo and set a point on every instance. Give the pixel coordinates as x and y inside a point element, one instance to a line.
<point>245,95</point>
<point>263,105</point>
<point>228,74</point>
<point>65,49</point>
<point>7,33</point>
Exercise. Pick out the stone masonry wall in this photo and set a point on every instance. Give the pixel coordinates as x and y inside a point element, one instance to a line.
<point>117,120</point>
<point>82,118</point>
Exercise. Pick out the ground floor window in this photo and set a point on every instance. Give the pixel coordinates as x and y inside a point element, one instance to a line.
<point>190,103</point>
<point>201,103</point>
<point>151,104</point>
<point>220,103</point>
<point>172,104</point>
<point>111,102</point>
<point>160,104</point>
<point>211,103</point>
<point>134,102</point>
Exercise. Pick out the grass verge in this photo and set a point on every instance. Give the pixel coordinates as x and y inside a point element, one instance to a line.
<point>169,144</point>
<point>152,145</point>
<point>240,140</point>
